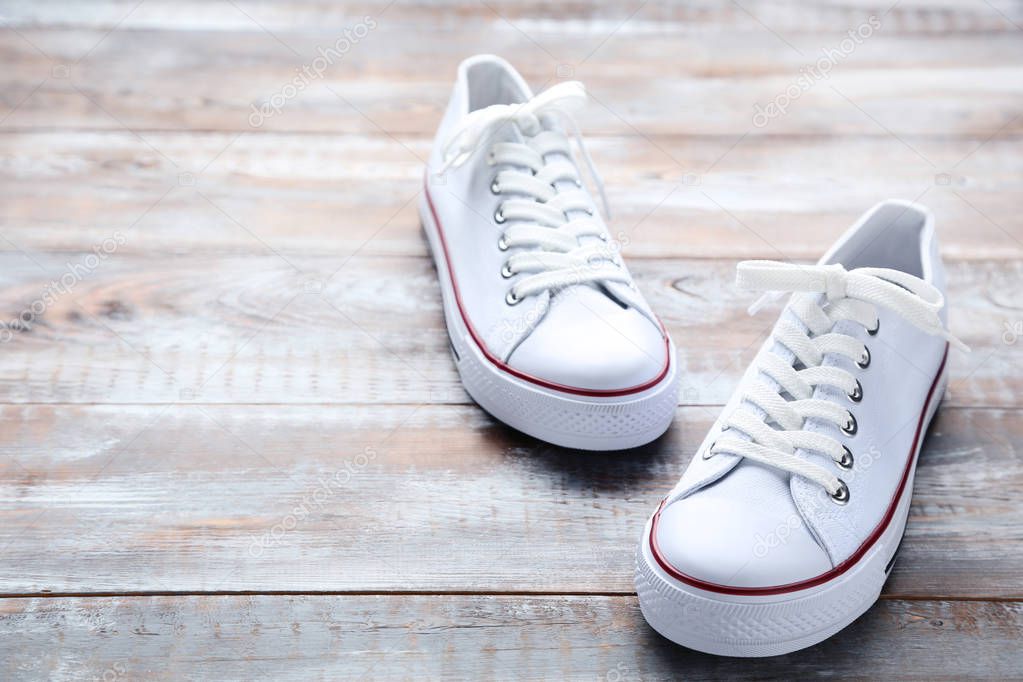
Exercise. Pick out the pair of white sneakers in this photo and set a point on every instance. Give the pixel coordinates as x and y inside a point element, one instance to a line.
<point>785,525</point>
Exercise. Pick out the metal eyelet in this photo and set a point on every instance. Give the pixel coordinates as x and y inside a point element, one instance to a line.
<point>876,329</point>
<point>857,393</point>
<point>502,245</point>
<point>841,496</point>
<point>506,271</point>
<point>510,298</point>
<point>578,183</point>
<point>495,187</point>
<point>850,427</point>
<point>847,459</point>
<point>499,216</point>
<point>491,158</point>
<point>707,454</point>
<point>864,360</point>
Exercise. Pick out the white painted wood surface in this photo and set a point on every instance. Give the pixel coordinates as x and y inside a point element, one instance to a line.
<point>233,402</point>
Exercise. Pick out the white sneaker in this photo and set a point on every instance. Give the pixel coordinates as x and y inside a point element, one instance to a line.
<point>785,526</point>
<point>548,330</point>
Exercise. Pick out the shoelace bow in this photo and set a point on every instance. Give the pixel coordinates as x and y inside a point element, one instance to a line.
<point>548,217</point>
<point>850,295</point>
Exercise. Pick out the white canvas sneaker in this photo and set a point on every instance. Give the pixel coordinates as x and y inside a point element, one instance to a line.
<point>785,526</point>
<point>547,328</point>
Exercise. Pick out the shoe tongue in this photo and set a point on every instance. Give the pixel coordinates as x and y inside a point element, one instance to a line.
<point>509,132</point>
<point>550,123</point>
<point>591,294</point>
<point>588,295</point>
<point>748,471</point>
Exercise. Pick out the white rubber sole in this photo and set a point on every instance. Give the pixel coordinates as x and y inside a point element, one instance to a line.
<point>740,625</point>
<point>565,419</point>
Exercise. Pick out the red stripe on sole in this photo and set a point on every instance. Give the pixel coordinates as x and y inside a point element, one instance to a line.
<point>494,360</point>
<point>838,570</point>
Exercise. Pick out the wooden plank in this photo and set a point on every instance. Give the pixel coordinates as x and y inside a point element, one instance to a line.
<point>470,637</point>
<point>355,465</point>
<point>226,498</point>
<point>597,18</point>
<point>315,194</point>
<point>397,79</point>
<point>272,329</point>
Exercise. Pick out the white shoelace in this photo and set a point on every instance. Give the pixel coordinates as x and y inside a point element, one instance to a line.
<point>548,207</point>
<point>848,295</point>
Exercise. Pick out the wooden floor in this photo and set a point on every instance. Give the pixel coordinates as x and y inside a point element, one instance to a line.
<point>232,441</point>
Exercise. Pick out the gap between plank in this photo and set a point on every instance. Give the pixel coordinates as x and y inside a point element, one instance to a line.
<point>210,254</point>
<point>422,593</point>
<point>427,136</point>
<point>1006,408</point>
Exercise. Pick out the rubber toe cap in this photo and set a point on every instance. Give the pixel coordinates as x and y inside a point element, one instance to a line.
<point>743,531</point>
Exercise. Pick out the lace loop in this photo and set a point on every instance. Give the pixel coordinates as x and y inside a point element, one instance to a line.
<point>911,297</point>
<point>547,210</point>
<point>769,426</point>
<point>561,99</point>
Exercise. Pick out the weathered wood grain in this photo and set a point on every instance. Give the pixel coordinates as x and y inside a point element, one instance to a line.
<point>422,498</point>
<point>470,637</point>
<point>396,79</point>
<point>338,194</point>
<point>598,17</point>
<point>282,329</point>
<point>211,409</point>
